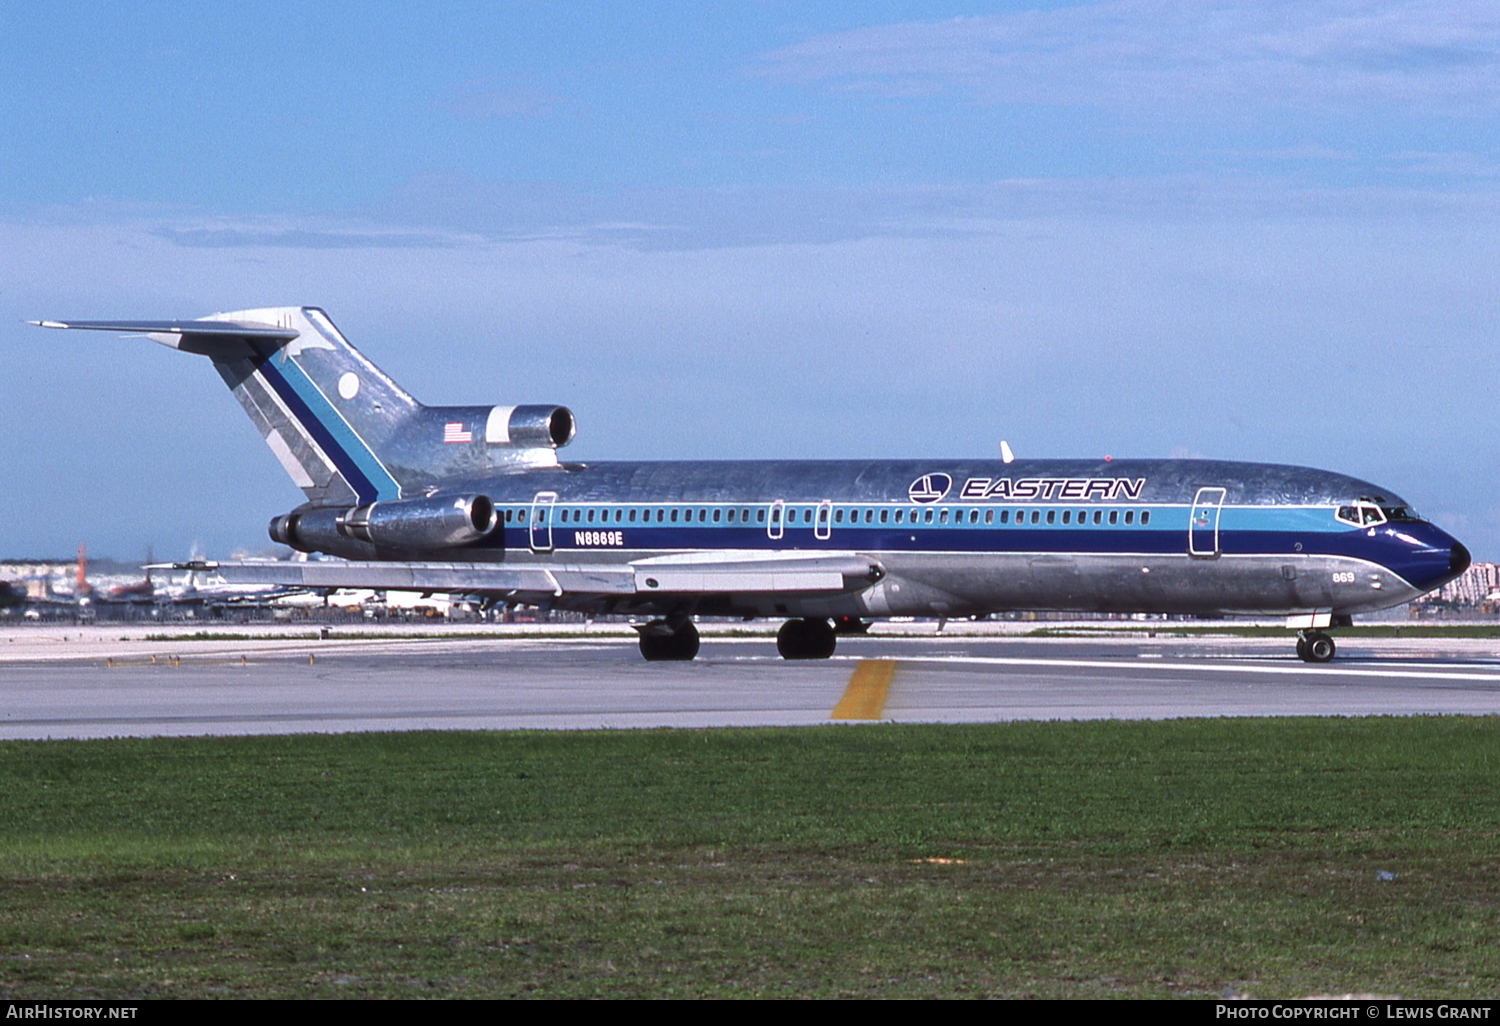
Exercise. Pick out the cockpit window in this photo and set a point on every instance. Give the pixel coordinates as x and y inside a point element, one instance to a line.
<point>1363,514</point>
<point>1401,515</point>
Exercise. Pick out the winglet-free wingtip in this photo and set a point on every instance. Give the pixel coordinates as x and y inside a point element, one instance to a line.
<point>48,324</point>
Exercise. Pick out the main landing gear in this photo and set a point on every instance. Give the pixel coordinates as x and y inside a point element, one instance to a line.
<point>806,639</point>
<point>1315,647</point>
<point>665,641</point>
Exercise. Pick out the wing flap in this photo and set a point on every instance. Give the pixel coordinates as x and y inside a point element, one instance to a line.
<point>814,573</point>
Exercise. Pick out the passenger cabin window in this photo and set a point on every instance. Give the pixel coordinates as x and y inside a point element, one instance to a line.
<point>1005,516</point>
<point>632,516</point>
<point>942,516</point>
<point>1145,517</point>
<point>716,516</point>
<point>1067,516</point>
<point>883,514</point>
<point>1052,516</point>
<point>989,516</point>
<point>838,516</point>
<point>1114,517</point>
<point>1098,516</point>
<point>760,516</point>
<point>1036,516</point>
<point>591,516</point>
<point>674,514</point>
<point>928,517</point>
<point>1129,516</point>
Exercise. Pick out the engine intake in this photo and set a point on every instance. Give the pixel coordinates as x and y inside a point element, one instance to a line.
<point>526,427</point>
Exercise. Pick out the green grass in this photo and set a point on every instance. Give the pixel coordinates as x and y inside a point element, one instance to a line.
<point>1081,859</point>
<point>1166,629</point>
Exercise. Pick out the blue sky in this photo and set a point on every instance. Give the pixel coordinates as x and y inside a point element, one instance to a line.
<point>1261,231</point>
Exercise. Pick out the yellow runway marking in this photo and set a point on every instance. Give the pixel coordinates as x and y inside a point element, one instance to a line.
<point>864,698</point>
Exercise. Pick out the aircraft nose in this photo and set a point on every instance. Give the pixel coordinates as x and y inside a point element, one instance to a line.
<point>1458,559</point>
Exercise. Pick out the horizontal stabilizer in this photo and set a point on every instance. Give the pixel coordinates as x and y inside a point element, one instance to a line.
<point>222,329</point>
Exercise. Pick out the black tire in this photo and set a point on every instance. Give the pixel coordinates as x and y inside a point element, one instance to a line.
<point>1302,649</point>
<point>1320,648</point>
<point>806,639</point>
<point>679,646</point>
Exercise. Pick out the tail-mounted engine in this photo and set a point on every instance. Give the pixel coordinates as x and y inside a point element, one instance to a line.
<point>432,523</point>
<point>527,427</point>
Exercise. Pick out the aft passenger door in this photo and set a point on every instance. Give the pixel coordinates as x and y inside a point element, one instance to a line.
<point>541,521</point>
<point>1203,523</point>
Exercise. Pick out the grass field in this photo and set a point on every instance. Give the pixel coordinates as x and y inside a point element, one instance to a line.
<point>1262,857</point>
<point>1177,629</point>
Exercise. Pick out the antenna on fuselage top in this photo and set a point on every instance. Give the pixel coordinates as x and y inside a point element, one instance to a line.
<point>1006,456</point>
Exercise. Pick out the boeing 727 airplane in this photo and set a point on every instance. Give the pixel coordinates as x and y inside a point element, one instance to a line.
<point>474,500</point>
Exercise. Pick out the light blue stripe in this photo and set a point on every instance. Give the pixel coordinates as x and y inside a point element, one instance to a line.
<point>386,487</point>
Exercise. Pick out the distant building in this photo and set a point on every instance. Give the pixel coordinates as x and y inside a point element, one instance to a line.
<point>1478,586</point>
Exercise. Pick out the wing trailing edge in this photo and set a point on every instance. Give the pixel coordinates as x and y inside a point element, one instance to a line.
<point>827,573</point>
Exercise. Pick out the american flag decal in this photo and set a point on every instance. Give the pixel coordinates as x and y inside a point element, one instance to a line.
<point>454,433</point>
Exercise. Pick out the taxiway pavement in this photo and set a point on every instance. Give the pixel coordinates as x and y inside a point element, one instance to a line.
<point>98,684</point>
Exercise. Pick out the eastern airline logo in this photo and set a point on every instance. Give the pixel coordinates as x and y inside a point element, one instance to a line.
<point>929,488</point>
<point>1107,489</point>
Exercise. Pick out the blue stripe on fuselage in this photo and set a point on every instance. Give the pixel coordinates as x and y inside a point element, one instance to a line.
<point>352,458</point>
<point>1418,553</point>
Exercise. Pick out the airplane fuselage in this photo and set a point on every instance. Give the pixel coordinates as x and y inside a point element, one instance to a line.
<point>959,538</point>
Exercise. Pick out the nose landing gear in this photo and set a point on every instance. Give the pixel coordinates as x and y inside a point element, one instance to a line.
<point>806,639</point>
<point>1315,647</point>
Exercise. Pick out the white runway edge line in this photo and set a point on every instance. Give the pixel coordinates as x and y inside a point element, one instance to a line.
<point>1120,664</point>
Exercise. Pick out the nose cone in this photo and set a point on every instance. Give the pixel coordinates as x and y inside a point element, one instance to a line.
<point>1425,556</point>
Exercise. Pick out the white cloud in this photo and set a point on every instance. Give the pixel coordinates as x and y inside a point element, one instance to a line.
<point>1147,53</point>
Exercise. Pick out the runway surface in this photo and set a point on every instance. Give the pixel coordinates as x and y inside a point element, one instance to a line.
<point>98,685</point>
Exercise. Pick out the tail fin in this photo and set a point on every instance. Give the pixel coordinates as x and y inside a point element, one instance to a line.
<point>344,432</point>
<point>324,410</point>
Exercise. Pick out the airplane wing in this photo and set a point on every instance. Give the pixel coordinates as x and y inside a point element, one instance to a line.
<point>669,577</point>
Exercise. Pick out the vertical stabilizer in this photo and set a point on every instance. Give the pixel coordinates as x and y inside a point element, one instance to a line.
<point>325,411</point>
<point>344,432</point>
